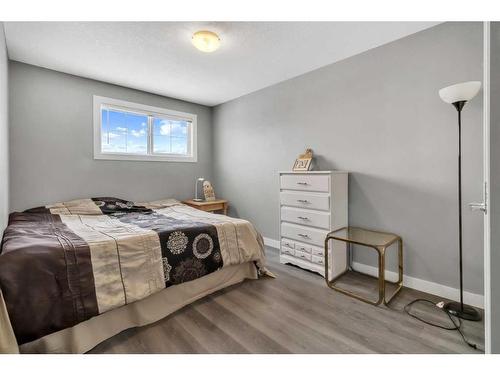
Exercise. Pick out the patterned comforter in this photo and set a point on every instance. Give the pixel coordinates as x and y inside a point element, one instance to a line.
<point>65,263</point>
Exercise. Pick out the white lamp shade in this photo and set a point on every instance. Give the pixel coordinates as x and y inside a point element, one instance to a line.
<point>460,92</point>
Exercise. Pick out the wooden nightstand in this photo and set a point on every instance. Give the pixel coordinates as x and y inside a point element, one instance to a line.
<point>209,206</point>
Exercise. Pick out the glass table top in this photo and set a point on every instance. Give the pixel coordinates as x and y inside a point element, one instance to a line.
<point>364,236</point>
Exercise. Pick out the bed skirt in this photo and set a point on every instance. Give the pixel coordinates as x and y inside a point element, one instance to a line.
<point>86,335</point>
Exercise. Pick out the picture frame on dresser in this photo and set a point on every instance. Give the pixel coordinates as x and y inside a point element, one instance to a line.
<point>302,164</point>
<point>312,204</point>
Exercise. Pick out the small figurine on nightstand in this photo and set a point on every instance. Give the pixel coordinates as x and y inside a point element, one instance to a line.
<point>208,191</point>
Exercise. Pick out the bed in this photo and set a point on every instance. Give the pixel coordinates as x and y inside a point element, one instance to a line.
<point>73,274</point>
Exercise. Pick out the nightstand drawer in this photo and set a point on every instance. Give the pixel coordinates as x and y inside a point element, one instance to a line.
<point>306,217</point>
<point>304,234</point>
<point>312,201</point>
<point>209,206</point>
<point>306,182</point>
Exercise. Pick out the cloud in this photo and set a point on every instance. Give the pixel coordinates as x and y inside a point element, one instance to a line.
<point>111,147</point>
<point>135,148</point>
<point>110,135</point>
<point>134,132</point>
<point>131,148</point>
<point>177,127</point>
<point>167,128</point>
<point>138,133</point>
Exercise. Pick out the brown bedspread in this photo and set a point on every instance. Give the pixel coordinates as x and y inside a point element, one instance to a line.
<point>65,263</point>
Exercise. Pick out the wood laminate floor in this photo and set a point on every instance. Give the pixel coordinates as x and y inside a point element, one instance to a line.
<point>295,313</point>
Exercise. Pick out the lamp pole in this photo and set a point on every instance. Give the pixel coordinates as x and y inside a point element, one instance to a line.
<point>459,309</point>
<point>459,105</point>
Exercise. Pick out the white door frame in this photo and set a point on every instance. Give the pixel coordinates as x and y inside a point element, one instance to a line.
<point>486,186</point>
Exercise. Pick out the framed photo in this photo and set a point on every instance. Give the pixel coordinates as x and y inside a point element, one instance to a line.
<point>302,164</point>
<point>304,161</point>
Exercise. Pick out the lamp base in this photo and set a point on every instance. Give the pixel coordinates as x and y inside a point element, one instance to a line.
<point>467,313</point>
<point>198,199</point>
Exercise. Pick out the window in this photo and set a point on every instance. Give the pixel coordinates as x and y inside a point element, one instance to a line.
<point>130,131</point>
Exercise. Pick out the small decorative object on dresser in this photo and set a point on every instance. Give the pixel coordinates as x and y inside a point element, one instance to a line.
<point>209,206</point>
<point>304,161</point>
<point>208,191</point>
<point>311,205</point>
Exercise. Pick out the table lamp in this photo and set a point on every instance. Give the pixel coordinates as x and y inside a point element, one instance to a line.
<point>196,193</point>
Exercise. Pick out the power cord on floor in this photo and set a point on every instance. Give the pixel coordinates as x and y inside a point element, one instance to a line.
<point>457,324</point>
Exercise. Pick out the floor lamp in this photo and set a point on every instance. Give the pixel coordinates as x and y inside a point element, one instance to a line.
<point>459,95</point>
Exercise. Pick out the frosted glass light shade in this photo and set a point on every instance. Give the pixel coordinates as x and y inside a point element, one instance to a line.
<point>206,41</point>
<point>460,92</point>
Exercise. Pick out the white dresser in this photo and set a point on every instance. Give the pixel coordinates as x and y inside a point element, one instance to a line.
<point>311,205</point>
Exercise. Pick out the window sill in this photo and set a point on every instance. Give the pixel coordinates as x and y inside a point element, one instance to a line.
<point>167,158</point>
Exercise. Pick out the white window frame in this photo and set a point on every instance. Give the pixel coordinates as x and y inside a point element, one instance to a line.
<point>101,101</point>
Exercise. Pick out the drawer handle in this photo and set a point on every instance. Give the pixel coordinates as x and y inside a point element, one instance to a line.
<point>302,256</point>
<point>320,261</point>
<point>302,200</point>
<point>302,218</point>
<point>303,235</point>
<point>302,183</point>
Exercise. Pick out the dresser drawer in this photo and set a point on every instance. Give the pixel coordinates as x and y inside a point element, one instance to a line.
<point>313,201</point>
<point>287,243</point>
<point>303,247</point>
<point>306,217</point>
<point>318,260</point>
<point>308,182</point>
<point>317,251</point>
<point>304,234</point>
<point>287,250</point>
<point>302,255</point>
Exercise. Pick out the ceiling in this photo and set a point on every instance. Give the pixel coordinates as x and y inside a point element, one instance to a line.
<point>158,57</point>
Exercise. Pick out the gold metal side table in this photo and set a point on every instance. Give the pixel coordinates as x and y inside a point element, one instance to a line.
<point>379,241</point>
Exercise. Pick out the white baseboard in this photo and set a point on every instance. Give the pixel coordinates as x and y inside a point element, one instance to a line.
<point>440,290</point>
<point>271,243</point>
<point>430,287</point>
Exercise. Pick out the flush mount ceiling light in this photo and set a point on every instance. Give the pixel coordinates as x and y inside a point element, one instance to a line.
<point>206,41</point>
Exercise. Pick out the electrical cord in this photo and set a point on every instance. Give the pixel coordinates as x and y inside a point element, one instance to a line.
<point>457,324</point>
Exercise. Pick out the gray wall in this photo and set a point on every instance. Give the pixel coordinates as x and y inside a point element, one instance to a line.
<point>4,134</point>
<point>495,187</point>
<point>379,116</point>
<point>51,143</point>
